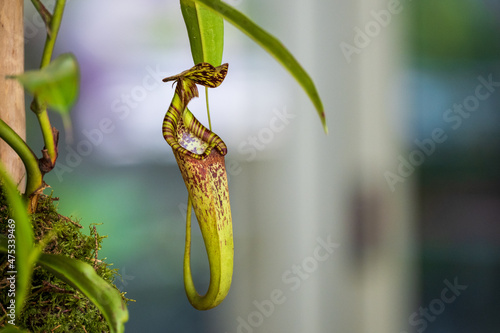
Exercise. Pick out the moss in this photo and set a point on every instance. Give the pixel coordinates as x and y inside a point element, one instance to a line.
<point>53,305</point>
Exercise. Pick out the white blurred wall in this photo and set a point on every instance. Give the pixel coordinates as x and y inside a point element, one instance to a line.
<point>330,187</point>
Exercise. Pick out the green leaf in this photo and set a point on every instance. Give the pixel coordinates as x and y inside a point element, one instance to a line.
<point>56,84</point>
<point>206,32</point>
<point>20,244</point>
<point>271,45</point>
<point>83,277</point>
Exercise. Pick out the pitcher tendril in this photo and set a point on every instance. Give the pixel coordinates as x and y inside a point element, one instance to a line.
<point>200,156</point>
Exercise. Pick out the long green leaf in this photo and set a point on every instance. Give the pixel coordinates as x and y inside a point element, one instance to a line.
<point>19,243</point>
<point>271,45</point>
<point>84,278</point>
<point>206,32</point>
<point>56,84</point>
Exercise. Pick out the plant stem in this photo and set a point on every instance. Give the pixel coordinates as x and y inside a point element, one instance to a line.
<point>41,110</point>
<point>208,109</point>
<point>190,202</point>
<point>33,173</point>
<point>44,13</point>
<point>48,135</point>
<point>55,23</point>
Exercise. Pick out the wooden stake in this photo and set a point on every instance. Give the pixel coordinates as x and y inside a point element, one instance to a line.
<point>12,109</point>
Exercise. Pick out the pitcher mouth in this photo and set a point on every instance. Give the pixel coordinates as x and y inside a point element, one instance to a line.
<point>182,131</point>
<point>196,140</point>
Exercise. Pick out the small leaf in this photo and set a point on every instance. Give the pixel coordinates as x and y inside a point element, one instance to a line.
<point>271,45</point>
<point>206,32</point>
<point>84,278</point>
<point>21,242</point>
<point>56,84</point>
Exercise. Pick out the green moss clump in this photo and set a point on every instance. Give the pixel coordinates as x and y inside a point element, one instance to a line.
<point>53,305</point>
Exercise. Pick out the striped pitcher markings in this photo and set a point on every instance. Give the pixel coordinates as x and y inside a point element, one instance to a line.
<point>204,172</point>
<point>178,114</point>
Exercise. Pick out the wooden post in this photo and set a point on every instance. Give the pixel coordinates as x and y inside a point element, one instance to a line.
<point>12,109</point>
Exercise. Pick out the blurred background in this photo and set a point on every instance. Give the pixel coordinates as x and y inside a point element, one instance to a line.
<point>387,224</point>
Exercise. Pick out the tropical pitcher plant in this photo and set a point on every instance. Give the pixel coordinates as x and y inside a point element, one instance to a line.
<point>199,152</point>
<point>200,156</point>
